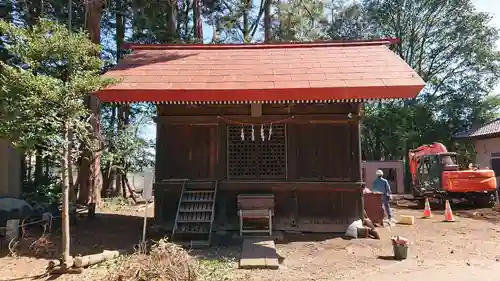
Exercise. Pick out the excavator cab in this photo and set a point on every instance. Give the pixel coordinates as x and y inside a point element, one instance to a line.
<point>449,161</point>
<point>430,170</point>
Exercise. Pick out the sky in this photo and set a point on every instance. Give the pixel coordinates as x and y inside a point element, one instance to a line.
<point>490,6</point>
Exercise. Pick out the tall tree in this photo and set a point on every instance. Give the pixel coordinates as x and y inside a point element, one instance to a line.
<point>159,22</point>
<point>42,86</point>
<point>300,20</point>
<point>120,38</point>
<point>236,21</point>
<point>198,28</point>
<point>90,169</point>
<point>453,48</point>
<point>267,21</point>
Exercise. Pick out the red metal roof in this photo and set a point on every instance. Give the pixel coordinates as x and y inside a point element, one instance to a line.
<point>490,129</point>
<point>307,72</point>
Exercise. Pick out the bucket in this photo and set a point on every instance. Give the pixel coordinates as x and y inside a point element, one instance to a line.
<point>400,251</point>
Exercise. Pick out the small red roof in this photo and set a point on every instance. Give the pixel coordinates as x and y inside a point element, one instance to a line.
<point>305,72</point>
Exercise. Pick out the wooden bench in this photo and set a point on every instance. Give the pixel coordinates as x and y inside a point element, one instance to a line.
<point>259,206</point>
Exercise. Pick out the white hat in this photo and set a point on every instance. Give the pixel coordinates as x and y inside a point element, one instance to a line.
<point>379,173</point>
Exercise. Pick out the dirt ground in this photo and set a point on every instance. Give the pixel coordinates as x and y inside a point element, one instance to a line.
<point>463,250</point>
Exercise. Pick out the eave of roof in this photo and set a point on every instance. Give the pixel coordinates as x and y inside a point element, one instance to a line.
<point>490,129</point>
<point>262,73</point>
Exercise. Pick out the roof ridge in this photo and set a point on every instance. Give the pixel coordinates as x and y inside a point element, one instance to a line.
<point>473,130</point>
<point>287,45</point>
<point>487,123</point>
<point>484,125</point>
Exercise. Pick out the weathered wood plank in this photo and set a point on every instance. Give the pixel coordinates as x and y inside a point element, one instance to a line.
<point>258,253</point>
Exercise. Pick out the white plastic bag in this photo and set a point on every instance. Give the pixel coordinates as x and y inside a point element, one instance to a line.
<point>352,229</point>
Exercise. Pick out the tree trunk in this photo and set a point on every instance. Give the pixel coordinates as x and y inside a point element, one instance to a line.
<point>267,21</point>
<point>120,31</point>
<point>279,15</point>
<point>109,179</point>
<point>378,145</point>
<point>65,164</point>
<point>114,181</point>
<point>38,166</point>
<point>123,113</point>
<point>118,185</point>
<point>29,167</point>
<point>124,186</point>
<point>71,180</point>
<point>130,189</point>
<point>32,11</point>
<point>83,180</point>
<point>198,30</point>
<point>6,11</point>
<point>23,168</point>
<point>70,164</point>
<point>46,162</point>
<point>105,183</point>
<point>246,20</point>
<point>171,27</point>
<point>91,183</point>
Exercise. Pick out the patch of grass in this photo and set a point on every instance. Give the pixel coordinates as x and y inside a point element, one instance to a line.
<point>215,269</point>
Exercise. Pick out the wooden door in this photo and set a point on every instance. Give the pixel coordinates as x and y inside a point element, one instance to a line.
<point>191,151</point>
<point>323,152</point>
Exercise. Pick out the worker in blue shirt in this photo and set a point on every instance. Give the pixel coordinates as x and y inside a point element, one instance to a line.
<point>381,185</point>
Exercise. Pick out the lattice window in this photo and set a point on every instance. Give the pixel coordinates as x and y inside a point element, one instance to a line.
<point>256,158</point>
<point>242,154</point>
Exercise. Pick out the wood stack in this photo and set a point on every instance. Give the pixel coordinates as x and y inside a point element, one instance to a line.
<point>77,264</point>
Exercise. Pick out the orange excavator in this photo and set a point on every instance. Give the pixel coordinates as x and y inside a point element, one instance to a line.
<point>435,174</point>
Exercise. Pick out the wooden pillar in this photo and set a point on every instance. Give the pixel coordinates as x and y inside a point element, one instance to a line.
<point>356,173</point>
<point>159,149</point>
<point>221,172</point>
<point>160,155</point>
<point>159,203</point>
<point>222,151</point>
<point>359,172</point>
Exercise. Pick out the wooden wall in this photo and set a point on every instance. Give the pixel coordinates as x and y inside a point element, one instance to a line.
<point>323,172</point>
<point>338,203</point>
<point>321,141</point>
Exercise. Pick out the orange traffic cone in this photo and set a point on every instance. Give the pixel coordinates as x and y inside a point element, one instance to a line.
<point>448,214</point>
<point>427,210</point>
